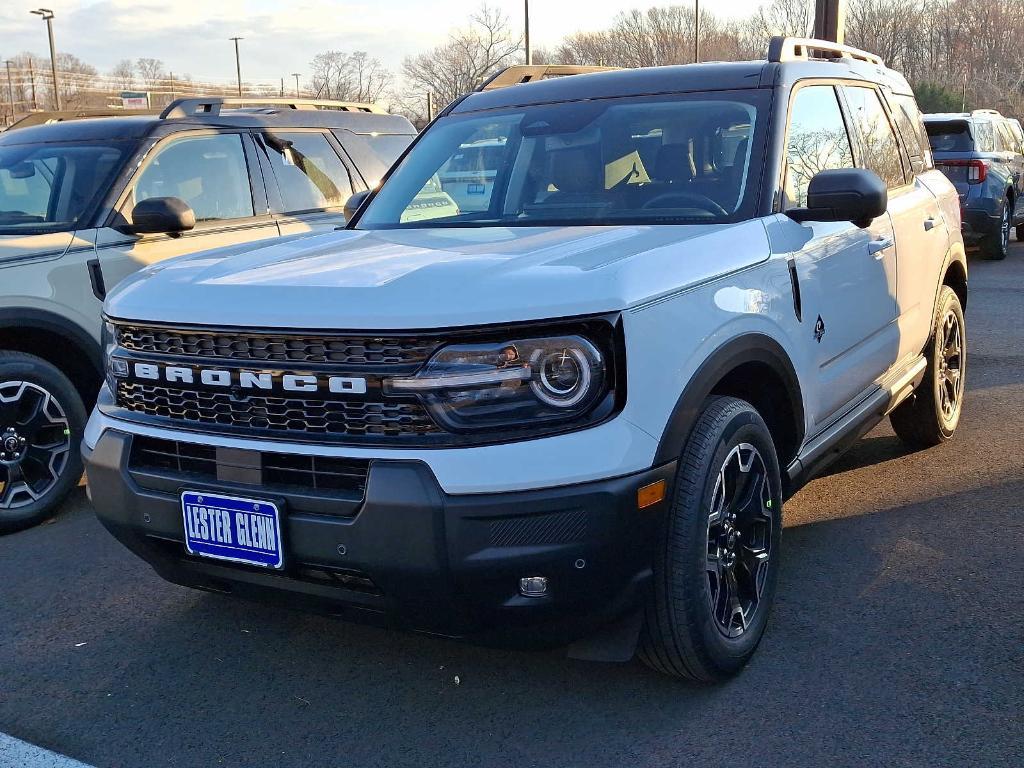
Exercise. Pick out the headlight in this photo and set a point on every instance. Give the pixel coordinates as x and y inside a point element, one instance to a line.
<point>518,383</point>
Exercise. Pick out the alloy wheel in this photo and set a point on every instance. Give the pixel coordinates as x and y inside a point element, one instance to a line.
<point>951,366</point>
<point>1004,227</point>
<point>35,443</point>
<point>739,536</point>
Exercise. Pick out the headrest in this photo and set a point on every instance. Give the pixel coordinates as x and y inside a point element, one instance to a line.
<point>673,163</point>
<point>577,170</point>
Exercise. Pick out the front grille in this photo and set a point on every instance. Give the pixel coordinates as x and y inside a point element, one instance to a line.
<point>277,347</point>
<point>280,472</point>
<point>285,415</point>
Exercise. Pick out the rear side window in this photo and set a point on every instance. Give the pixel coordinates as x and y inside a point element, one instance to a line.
<point>387,146</point>
<point>985,136</point>
<point>817,141</point>
<point>309,172</point>
<point>880,151</point>
<point>1007,140</point>
<point>207,172</point>
<point>908,121</point>
<point>950,136</point>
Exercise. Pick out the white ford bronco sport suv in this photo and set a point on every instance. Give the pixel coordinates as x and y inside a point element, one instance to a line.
<point>571,414</point>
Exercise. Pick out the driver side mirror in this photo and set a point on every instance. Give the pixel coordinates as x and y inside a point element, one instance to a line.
<point>353,203</point>
<point>844,194</point>
<point>163,215</point>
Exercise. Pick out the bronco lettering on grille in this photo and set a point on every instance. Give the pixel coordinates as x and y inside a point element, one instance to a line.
<point>252,380</point>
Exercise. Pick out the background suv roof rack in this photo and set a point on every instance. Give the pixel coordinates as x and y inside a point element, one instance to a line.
<point>993,112</point>
<point>44,117</point>
<point>800,49</point>
<point>212,105</point>
<point>528,73</point>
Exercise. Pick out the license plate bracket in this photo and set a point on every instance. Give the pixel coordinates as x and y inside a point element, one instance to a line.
<point>235,529</point>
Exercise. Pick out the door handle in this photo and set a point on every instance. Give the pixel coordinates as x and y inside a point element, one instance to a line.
<point>929,224</point>
<point>878,246</point>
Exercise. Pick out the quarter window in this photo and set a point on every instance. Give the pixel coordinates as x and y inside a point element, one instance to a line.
<point>817,140</point>
<point>207,172</point>
<point>309,172</point>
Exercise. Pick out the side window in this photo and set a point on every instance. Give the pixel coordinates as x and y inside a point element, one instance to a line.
<point>1007,141</point>
<point>817,140</point>
<point>880,151</point>
<point>207,172</point>
<point>309,172</point>
<point>908,121</point>
<point>984,136</point>
<point>26,189</point>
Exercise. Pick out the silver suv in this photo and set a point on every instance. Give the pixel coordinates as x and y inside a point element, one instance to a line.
<point>84,203</point>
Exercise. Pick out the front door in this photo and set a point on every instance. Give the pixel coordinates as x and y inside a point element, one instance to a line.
<point>846,275</point>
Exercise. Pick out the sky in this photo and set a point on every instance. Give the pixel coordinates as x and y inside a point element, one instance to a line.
<point>191,36</point>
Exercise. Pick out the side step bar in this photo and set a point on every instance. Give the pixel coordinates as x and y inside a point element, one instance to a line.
<point>828,444</point>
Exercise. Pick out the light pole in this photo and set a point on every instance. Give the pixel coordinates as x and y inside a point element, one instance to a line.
<point>296,76</point>
<point>238,64</point>
<point>526,33</point>
<point>696,31</point>
<point>47,15</point>
<point>10,89</point>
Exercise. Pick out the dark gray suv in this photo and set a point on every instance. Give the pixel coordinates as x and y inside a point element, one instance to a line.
<point>982,153</point>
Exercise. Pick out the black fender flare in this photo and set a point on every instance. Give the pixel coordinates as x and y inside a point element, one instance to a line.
<point>749,348</point>
<point>43,320</point>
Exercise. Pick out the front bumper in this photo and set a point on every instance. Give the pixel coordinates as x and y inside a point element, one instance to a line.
<point>410,555</point>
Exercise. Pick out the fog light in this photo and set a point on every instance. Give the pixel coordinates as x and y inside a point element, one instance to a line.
<point>533,586</point>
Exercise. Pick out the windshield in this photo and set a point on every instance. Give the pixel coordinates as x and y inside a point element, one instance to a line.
<point>50,187</point>
<point>686,159</point>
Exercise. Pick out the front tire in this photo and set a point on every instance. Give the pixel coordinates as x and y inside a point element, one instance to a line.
<point>717,556</point>
<point>41,421</point>
<point>931,414</point>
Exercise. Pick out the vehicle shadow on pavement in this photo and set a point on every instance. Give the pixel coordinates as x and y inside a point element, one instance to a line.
<point>888,628</point>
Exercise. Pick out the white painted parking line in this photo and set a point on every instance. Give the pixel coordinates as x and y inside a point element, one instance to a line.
<point>15,753</point>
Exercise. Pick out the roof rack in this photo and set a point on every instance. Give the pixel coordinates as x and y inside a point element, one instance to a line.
<point>212,105</point>
<point>995,112</point>
<point>800,49</point>
<point>528,73</point>
<point>45,117</point>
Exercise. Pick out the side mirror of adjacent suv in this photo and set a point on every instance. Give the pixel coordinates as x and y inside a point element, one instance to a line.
<point>844,194</point>
<point>353,203</point>
<point>170,215</point>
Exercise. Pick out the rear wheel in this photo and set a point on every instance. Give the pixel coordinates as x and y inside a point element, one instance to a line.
<point>931,414</point>
<point>717,557</point>
<point>1020,233</point>
<point>41,420</point>
<point>997,244</point>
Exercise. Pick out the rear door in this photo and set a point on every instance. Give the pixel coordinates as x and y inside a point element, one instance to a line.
<point>308,181</point>
<point>216,174</point>
<point>847,275</point>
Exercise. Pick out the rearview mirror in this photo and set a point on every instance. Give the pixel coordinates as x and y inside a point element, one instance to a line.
<point>353,203</point>
<point>22,171</point>
<point>170,215</point>
<point>844,194</point>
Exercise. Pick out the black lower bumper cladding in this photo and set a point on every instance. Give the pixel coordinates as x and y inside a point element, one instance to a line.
<point>407,555</point>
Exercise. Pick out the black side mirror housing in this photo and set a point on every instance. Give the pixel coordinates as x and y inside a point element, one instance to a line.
<point>353,203</point>
<point>170,215</point>
<point>844,194</point>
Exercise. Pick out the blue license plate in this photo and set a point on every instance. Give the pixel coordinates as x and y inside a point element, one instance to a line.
<point>229,528</point>
<point>475,189</point>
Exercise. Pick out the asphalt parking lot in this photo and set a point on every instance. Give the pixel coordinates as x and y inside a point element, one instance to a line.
<point>897,639</point>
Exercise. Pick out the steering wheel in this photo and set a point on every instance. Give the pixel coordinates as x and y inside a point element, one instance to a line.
<point>692,198</point>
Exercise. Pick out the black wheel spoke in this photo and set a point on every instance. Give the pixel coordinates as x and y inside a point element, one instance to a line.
<point>34,443</point>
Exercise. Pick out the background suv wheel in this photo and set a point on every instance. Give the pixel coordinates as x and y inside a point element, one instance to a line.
<point>41,422</point>
<point>997,244</point>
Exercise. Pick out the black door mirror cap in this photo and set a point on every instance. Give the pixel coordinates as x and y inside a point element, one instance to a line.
<point>856,195</point>
<point>353,203</point>
<point>162,215</point>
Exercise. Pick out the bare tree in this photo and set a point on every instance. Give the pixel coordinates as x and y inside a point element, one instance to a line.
<point>466,59</point>
<point>151,72</point>
<point>123,75</point>
<point>350,76</point>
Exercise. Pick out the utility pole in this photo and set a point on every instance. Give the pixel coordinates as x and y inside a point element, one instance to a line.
<point>430,106</point>
<point>696,31</point>
<point>296,76</point>
<point>830,20</point>
<point>526,34</point>
<point>282,87</point>
<point>32,82</point>
<point>10,89</point>
<point>238,64</point>
<point>47,15</point>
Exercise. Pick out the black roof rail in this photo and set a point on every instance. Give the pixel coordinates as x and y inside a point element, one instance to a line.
<point>44,117</point>
<point>212,105</point>
<point>528,73</point>
<point>782,49</point>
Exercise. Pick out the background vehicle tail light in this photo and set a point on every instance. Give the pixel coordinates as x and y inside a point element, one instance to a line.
<point>977,170</point>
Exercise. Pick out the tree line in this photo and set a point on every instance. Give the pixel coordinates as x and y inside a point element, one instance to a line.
<point>956,53</point>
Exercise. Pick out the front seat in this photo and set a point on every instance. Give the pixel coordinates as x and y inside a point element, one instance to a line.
<point>578,177</point>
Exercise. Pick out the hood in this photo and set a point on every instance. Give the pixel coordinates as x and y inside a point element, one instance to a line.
<point>434,278</point>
